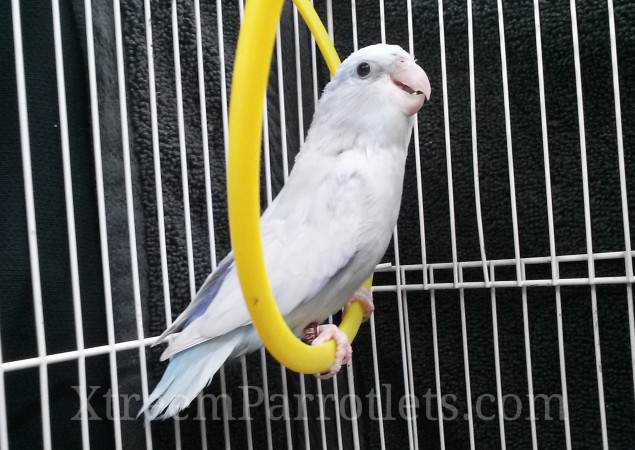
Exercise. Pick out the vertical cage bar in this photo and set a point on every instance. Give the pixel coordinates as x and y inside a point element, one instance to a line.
<point>373,337</point>
<point>204,137</point>
<point>123,110</point>
<point>329,20</point>
<point>437,370</point>
<point>318,381</point>
<point>497,364</point>
<point>243,359</point>
<point>208,181</point>
<point>70,220</point>
<point>225,120</point>
<point>320,398</point>
<point>269,195</point>
<point>402,339</point>
<point>157,162</point>
<point>285,407</point>
<point>185,183</point>
<point>415,132</point>
<point>508,135</point>
<point>475,170</point>
<point>156,156</point>
<point>411,384</point>
<point>29,200</point>
<point>350,376</point>
<point>552,242</point>
<point>4,432</point>
<point>628,260</point>
<point>246,409</point>
<point>380,412</point>
<point>448,152</point>
<point>298,74</point>
<point>354,24</point>
<point>265,388</point>
<point>373,334</point>
<point>182,150</point>
<point>331,31</point>
<point>285,169</point>
<point>267,151</point>
<point>338,419</point>
<point>132,232</point>
<point>283,116</point>
<point>466,360</point>
<point>285,173</point>
<point>563,370</point>
<point>530,379</point>
<point>223,391</point>
<point>349,367</point>
<point>223,87</point>
<point>103,233</point>
<point>314,70</point>
<point>90,46</point>
<point>587,224</point>
<point>408,354</point>
<point>382,19</point>
<point>303,412</point>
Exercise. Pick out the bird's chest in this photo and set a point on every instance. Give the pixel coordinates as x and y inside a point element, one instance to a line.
<point>375,184</point>
<point>365,208</point>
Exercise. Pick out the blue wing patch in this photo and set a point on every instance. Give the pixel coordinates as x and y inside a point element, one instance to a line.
<point>206,294</point>
<point>204,298</point>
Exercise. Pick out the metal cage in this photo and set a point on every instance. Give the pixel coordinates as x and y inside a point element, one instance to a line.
<point>510,284</point>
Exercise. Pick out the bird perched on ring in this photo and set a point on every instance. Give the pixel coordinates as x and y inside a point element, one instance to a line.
<point>323,234</point>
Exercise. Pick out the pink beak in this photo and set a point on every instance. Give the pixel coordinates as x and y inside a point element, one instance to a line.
<point>412,79</point>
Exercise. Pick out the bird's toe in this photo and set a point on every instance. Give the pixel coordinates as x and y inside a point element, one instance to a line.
<point>365,297</point>
<point>343,349</point>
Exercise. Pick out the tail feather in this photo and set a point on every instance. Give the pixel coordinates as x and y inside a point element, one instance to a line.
<point>187,374</point>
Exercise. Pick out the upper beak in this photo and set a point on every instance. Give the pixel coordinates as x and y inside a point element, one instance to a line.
<point>411,78</point>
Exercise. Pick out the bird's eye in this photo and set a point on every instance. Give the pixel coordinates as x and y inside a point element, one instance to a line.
<point>363,70</point>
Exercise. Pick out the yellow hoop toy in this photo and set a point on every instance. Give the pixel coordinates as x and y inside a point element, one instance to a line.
<point>251,71</point>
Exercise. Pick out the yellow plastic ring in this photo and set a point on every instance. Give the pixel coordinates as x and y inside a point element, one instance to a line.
<point>249,82</point>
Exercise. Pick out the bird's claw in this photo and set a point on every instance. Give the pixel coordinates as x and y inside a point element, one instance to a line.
<point>365,297</point>
<point>343,349</point>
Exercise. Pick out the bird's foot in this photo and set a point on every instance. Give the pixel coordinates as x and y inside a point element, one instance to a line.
<point>343,349</point>
<point>310,332</point>
<point>365,297</point>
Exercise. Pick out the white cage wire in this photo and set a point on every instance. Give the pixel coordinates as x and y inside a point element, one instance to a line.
<point>452,273</point>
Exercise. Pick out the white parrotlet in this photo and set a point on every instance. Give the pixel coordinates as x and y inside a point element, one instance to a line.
<point>323,234</point>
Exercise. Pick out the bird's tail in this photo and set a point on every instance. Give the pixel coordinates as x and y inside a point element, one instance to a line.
<point>187,374</point>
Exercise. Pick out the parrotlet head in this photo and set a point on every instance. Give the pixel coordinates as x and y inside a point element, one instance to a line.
<point>386,73</point>
<point>375,93</point>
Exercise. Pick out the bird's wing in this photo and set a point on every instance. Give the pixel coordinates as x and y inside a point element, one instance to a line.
<point>309,235</point>
<point>204,297</point>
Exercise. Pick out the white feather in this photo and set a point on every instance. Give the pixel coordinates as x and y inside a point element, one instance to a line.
<point>322,236</point>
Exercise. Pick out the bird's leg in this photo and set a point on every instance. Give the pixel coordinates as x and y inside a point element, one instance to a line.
<point>365,297</point>
<point>310,332</point>
<point>315,334</point>
<point>343,349</point>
